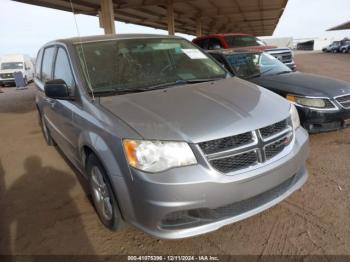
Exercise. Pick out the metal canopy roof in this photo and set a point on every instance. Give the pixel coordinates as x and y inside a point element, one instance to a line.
<point>343,26</point>
<point>257,17</point>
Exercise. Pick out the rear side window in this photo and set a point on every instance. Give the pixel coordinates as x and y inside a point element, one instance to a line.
<point>38,64</point>
<point>214,43</point>
<point>203,43</point>
<point>46,69</point>
<point>62,68</point>
<point>242,41</point>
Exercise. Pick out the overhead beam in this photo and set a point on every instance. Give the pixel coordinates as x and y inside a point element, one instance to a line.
<point>107,16</point>
<point>149,3</point>
<point>171,18</point>
<point>199,27</point>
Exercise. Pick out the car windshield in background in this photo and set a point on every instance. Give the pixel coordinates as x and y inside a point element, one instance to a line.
<point>247,65</point>
<point>134,65</point>
<point>243,41</point>
<point>11,65</point>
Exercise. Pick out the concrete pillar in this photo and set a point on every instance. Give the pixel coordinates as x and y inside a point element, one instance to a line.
<point>107,16</point>
<point>199,27</point>
<point>171,19</point>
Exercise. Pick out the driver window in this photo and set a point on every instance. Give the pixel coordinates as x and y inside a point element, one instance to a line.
<point>63,70</point>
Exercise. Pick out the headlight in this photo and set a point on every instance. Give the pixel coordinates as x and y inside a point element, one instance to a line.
<point>294,116</point>
<point>309,102</point>
<point>157,156</point>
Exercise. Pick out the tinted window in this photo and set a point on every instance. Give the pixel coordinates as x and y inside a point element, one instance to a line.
<point>214,43</point>
<point>247,65</point>
<point>62,68</point>
<point>203,43</point>
<point>12,65</point>
<point>38,64</point>
<point>242,41</point>
<point>46,69</point>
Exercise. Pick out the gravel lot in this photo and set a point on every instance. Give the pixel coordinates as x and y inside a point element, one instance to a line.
<point>44,210</point>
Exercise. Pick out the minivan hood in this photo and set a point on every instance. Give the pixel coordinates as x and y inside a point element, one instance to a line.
<point>305,84</point>
<point>199,112</point>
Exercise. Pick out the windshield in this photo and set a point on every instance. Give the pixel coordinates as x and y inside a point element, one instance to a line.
<point>248,65</point>
<point>243,41</point>
<point>144,64</point>
<point>11,65</point>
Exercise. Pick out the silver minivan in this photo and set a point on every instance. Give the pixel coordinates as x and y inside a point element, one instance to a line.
<point>169,141</point>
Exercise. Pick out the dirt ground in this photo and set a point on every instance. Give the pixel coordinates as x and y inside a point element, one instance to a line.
<point>44,210</point>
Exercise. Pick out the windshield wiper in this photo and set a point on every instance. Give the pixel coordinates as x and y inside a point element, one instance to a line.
<point>283,72</point>
<point>111,92</point>
<point>252,76</point>
<point>183,82</point>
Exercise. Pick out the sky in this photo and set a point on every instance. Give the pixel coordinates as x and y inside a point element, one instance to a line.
<point>25,28</point>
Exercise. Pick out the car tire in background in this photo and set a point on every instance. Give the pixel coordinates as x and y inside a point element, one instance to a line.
<point>102,195</point>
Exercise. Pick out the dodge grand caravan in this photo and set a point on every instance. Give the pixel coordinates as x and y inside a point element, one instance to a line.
<point>168,140</point>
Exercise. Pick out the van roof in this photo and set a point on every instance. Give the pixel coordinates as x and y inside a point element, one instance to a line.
<point>14,57</point>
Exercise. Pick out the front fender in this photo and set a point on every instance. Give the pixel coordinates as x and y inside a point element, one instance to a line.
<point>100,148</point>
<point>110,159</point>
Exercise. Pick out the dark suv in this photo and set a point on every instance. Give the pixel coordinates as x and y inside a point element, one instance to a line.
<point>248,42</point>
<point>345,46</point>
<point>333,47</point>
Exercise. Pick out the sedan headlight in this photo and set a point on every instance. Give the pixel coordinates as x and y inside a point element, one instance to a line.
<point>157,156</point>
<point>294,116</point>
<point>309,102</point>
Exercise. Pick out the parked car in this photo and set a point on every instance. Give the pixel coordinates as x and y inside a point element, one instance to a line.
<point>248,42</point>
<point>167,139</point>
<point>323,103</point>
<point>333,47</point>
<point>345,46</point>
<point>10,64</point>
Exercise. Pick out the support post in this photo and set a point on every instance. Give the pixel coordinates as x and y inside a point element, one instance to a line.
<point>199,27</point>
<point>171,18</point>
<point>107,16</point>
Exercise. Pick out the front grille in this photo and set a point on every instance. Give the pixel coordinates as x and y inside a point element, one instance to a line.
<point>344,101</point>
<point>277,147</point>
<point>227,143</point>
<point>245,150</point>
<point>6,76</point>
<point>273,129</point>
<point>234,163</point>
<point>285,57</point>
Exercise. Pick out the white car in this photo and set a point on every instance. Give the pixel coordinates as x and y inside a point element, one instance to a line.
<point>10,64</point>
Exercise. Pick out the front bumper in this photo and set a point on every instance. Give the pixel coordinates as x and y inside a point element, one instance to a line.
<point>291,65</point>
<point>7,81</point>
<point>316,121</point>
<point>194,200</point>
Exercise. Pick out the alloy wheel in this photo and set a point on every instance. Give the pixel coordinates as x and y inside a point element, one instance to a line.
<point>100,194</point>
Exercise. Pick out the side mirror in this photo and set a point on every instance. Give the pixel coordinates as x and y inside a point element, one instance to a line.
<point>57,89</point>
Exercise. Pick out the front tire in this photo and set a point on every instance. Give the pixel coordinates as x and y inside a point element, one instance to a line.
<point>102,195</point>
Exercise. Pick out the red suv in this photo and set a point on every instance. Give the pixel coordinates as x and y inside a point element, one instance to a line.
<point>248,42</point>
